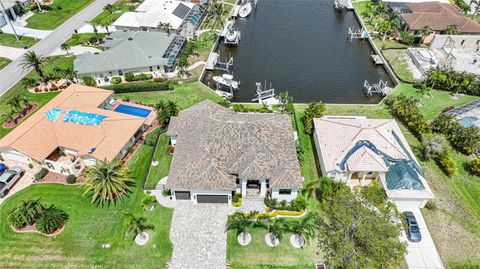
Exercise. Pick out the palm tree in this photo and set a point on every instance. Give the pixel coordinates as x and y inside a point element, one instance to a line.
<point>32,60</point>
<point>304,229</point>
<point>109,8</point>
<point>15,103</point>
<point>65,46</point>
<point>105,23</point>
<point>95,29</point>
<point>149,202</point>
<point>452,29</point>
<point>240,223</point>
<point>424,32</point>
<point>477,6</point>
<point>27,212</point>
<point>183,65</point>
<point>25,102</point>
<point>107,181</point>
<point>286,101</point>
<point>51,220</point>
<point>166,27</point>
<point>166,110</point>
<point>320,189</point>
<point>138,225</point>
<point>424,91</point>
<point>276,229</point>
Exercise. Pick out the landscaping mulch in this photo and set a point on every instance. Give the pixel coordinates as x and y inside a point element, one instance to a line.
<point>33,229</point>
<point>21,116</point>
<point>59,178</point>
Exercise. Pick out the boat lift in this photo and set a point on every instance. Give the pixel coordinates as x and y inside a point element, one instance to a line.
<point>225,66</point>
<point>265,96</point>
<point>377,88</point>
<point>357,34</point>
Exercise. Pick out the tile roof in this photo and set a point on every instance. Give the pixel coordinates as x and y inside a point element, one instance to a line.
<point>214,144</point>
<point>37,137</point>
<point>438,15</point>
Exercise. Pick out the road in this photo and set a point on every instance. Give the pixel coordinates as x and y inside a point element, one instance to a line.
<point>12,73</point>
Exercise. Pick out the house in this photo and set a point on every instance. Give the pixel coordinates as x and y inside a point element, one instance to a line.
<point>183,18</point>
<point>218,152</point>
<point>358,151</point>
<point>131,52</point>
<point>437,15</point>
<point>74,130</point>
<point>11,9</point>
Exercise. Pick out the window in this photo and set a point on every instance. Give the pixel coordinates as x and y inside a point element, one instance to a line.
<point>285,191</point>
<point>151,69</point>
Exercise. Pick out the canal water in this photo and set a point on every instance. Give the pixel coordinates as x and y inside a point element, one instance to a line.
<point>301,46</point>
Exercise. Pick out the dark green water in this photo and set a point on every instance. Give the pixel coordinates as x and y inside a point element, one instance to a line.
<point>301,46</point>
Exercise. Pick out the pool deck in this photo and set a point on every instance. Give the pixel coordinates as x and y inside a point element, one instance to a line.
<point>149,120</point>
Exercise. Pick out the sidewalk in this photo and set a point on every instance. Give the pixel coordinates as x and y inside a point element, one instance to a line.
<point>11,53</point>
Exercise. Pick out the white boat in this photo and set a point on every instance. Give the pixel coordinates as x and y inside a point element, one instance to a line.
<point>227,81</point>
<point>226,28</point>
<point>245,10</point>
<point>232,37</point>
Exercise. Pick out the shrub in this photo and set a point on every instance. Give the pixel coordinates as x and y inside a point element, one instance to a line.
<point>16,219</point>
<point>129,77</point>
<point>299,204</point>
<point>473,166</point>
<point>236,197</point>
<point>446,163</point>
<point>89,81</point>
<point>51,220</point>
<point>159,79</point>
<point>149,202</point>
<point>41,174</point>
<point>30,165</point>
<point>406,110</point>
<point>284,213</point>
<point>26,212</point>
<point>237,203</point>
<point>433,145</point>
<point>140,77</point>
<point>430,205</point>
<point>71,179</point>
<point>145,86</point>
<point>166,192</point>
<point>453,81</point>
<point>464,139</point>
<point>116,80</point>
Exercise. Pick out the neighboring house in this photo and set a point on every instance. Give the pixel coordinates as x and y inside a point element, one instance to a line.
<point>131,52</point>
<point>10,9</point>
<point>72,131</point>
<point>183,17</point>
<point>358,151</point>
<point>437,15</point>
<point>219,152</point>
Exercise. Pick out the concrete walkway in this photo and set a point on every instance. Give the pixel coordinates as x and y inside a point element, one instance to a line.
<point>75,50</point>
<point>21,28</point>
<point>163,200</point>
<point>11,53</point>
<point>195,65</point>
<point>421,255</point>
<point>198,236</point>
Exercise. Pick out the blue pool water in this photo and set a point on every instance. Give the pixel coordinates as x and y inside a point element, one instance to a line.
<point>131,110</point>
<point>467,121</point>
<point>83,118</point>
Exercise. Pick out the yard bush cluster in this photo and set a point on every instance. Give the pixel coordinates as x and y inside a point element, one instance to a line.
<point>405,108</point>
<point>116,80</point>
<point>298,204</point>
<point>41,174</point>
<point>473,166</point>
<point>446,163</point>
<point>89,81</point>
<point>242,108</point>
<point>464,139</point>
<point>46,218</point>
<point>452,81</point>
<point>435,146</point>
<point>146,86</point>
<point>131,77</point>
<point>71,179</point>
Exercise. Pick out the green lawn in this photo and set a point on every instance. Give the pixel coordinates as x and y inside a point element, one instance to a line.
<point>259,255</point>
<point>21,89</point>
<point>164,159</point>
<point>432,106</point>
<point>82,39</point>
<point>397,59</point>
<point>4,62</point>
<point>89,226</point>
<point>120,8</point>
<point>185,95</point>
<point>61,10</point>
<point>9,40</point>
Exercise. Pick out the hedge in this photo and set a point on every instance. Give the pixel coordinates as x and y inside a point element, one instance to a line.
<point>147,86</point>
<point>41,174</point>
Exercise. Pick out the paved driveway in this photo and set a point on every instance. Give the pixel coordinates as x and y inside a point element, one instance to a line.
<point>421,255</point>
<point>198,236</point>
<point>24,181</point>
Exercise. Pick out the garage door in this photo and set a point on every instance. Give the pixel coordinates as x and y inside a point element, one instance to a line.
<point>221,199</point>
<point>16,157</point>
<point>182,195</point>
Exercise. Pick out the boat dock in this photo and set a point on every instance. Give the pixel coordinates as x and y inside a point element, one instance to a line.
<point>340,4</point>
<point>377,88</point>
<point>212,61</point>
<point>377,59</point>
<point>234,11</point>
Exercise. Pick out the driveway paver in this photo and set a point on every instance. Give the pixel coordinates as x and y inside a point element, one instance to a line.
<point>198,236</point>
<point>24,181</point>
<point>421,255</point>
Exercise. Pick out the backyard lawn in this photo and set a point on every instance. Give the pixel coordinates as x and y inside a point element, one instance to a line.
<point>88,228</point>
<point>185,95</point>
<point>21,89</point>
<point>60,11</point>
<point>164,159</point>
<point>120,7</point>
<point>9,40</point>
<point>81,39</point>
<point>398,60</point>
<point>4,62</point>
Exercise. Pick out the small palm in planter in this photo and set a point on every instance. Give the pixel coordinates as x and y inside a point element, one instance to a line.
<point>240,222</point>
<point>51,220</point>
<point>275,232</point>
<point>149,203</point>
<point>139,225</point>
<point>26,212</point>
<point>303,230</point>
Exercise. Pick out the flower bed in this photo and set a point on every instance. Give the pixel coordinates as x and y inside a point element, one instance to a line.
<point>33,229</point>
<point>21,116</point>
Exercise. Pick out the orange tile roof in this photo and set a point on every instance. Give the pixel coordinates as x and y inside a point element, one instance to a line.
<point>38,137</point>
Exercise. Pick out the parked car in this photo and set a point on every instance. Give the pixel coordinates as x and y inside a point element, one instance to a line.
<point>2,168</point>
<point>413,231</point>
<point>9,178</point>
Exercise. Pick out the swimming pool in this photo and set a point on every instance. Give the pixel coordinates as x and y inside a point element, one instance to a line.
<point>467,121</point>
<point>132,110</point>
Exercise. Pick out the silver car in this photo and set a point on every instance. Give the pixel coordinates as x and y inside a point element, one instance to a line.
<point>9,178</point>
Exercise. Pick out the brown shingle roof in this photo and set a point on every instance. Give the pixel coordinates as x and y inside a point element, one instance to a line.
<point>37,137</point>
<point>214,144</point>
<point>437,15</point>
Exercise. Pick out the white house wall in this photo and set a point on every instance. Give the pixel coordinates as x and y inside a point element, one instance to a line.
<point>408,202</point>
<point>14,155</point>
<point>194,193</point>
<point>286,197</point>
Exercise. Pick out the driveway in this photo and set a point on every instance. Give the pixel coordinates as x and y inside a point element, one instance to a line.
<point>421,255</point>
<point>24,181</point>
<point>198,236</point>
<point>11,53</point>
